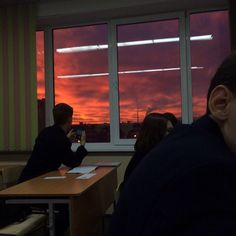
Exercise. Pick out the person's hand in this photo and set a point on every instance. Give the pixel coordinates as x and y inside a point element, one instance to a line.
<point>83,138</point>
<point>72,136</point>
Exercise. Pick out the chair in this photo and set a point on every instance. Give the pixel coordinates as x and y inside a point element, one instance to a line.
<point>34,224</point>
<point>9,175</point>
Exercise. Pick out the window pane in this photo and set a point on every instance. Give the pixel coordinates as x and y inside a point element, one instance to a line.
<point>81,77</point>
<point>40,79</point>
<point>207,54</point>
<point>149,72</point>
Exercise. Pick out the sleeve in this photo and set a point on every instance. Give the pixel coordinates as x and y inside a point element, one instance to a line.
<point>70,158</point>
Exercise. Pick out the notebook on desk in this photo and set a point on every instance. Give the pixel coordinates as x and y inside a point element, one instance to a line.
<point>82,169</point>
<point>92,167</point>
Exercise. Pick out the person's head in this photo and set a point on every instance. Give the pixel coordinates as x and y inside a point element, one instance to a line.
<point>221,100</point>
<point>171,117</point>
<point>152,131</point>
<point>62,115</point>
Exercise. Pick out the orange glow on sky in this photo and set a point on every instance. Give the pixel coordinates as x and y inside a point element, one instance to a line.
<point>138,94</point>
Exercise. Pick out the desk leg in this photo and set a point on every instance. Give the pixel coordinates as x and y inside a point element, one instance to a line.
<point>51,219</point>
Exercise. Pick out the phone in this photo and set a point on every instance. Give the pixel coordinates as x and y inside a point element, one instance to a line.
<point>78,130</point>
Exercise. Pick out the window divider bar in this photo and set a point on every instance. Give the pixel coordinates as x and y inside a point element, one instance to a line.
<point>188,68</point>
<point>113,83</point>
<point>184,65</point>
<point>49,75</point>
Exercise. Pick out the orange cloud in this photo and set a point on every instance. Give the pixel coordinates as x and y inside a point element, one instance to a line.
<point>158,91</point>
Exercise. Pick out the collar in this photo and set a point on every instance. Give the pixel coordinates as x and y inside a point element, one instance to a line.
<point>207,123</point>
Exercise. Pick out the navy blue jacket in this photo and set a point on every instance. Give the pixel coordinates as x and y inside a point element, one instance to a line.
<point>184,186</point>
<point>52,148</point>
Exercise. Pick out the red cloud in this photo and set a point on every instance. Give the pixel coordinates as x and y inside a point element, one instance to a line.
<point>158,91</point>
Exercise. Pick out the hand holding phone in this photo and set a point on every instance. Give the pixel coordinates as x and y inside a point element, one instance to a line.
<point>80,134</point>
<point>72,136</point>
<point>83,138</point>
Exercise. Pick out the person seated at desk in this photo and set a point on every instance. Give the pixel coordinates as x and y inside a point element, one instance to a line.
<point>53,146</point>
<point>153,129</point>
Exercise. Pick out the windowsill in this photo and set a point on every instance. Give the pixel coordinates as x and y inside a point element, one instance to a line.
<point>105,147</point>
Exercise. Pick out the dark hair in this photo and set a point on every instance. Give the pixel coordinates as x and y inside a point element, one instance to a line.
<point>61,113</point>
<point>152,131</point>
<point>171,117</point>
<point>225,75</point>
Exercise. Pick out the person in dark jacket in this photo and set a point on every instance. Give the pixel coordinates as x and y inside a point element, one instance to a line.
<point>153,129</point>
<point>53,146</point>
<point>186,185</point>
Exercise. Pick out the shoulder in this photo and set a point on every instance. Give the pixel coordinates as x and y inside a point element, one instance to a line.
<point>187,147</point>
<point>52,133</point>
<point>203,135</point>
<point>54,129</point>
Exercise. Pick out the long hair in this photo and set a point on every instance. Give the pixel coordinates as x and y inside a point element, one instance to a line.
<point>171,117</point>
<point>152,131</point>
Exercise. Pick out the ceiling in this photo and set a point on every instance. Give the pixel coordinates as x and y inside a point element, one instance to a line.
<point>182,3</point>
<point>66,11</point>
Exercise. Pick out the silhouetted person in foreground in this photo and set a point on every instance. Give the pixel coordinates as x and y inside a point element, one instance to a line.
<point>186,185</point>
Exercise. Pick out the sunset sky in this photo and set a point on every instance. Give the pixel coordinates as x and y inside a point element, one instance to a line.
<point>138,92</point>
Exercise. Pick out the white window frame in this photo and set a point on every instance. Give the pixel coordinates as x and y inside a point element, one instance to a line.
<point>185,84</point>
<point>117,144</point>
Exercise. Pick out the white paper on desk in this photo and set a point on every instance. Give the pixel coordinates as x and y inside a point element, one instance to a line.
<point>108,164</point>
<point>82,170</point>
<point>55,177</point>
<point>86,176</point>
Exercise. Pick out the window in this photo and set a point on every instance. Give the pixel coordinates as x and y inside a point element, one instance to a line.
<point>207,54</point>
<point>81,77</point>
<point>114,73</point>
<point>149,72</point>
<point>40,79</point>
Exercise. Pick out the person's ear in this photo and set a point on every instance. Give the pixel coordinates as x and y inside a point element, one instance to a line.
<point>219,102</point>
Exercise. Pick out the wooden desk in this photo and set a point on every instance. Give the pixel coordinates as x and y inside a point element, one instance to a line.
<point>88,199</point>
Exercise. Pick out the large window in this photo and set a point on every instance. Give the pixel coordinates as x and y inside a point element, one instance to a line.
<point>115,73</point>
<point>81,77</point>
<point>149,72</point>
<point>208,53</point>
